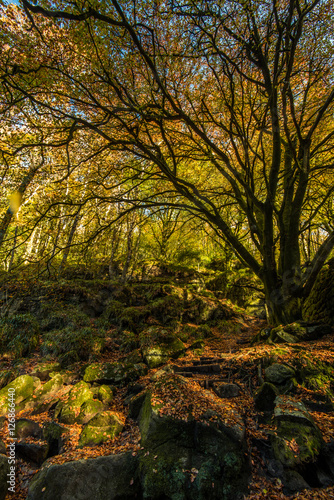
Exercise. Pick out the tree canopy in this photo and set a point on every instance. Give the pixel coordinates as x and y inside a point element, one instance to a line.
<point>221,112</point>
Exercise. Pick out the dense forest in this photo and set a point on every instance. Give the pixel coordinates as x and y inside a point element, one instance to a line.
<point>166,249</point>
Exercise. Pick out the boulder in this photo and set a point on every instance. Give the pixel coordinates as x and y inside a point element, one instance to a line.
<point>54,434</point>
<point>68,412</point>
<point>297,440</point>
<point>278,373</point>
<point>265,397</point>
<point>197,457</point>
<point>293,482</point>
<point>50,388</point>
<point>104,426</point>
<point>27,428</point>
<point>31,452</point>
<point>43,370</point>
<point>3,449</point>
<point>105,394</point>
<point>158,355</point>
<point>226,390</point>
<point>4,470</point>
<point>111,477</point>
<point>7,376</point>
<point>23,387</point>
<point>114,373</point>
<point>135,404</point>
<point>88,410</point>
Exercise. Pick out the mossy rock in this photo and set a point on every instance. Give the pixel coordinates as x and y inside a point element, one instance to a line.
<point>88,410</point>
<point>315,374</point>
<point>105,394</point>
<point>68,412</point>
<point>159,355</point>
<point>7,376</point>
<point>44,370</point>
<point>55,436</point>
<point>279,374</point>
<point>319,305</point>
<point>49,388</point>
<point>265,397</point>
<point>297,440</point>
<point>4,471</point>
<point>104,426</point>
<point>187,458</point>
<point>27,428</point>
<point>101,478</point>
<point>114,373</point>
<point>23,387</point>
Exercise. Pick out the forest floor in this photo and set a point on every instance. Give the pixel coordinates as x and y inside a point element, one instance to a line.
<point>244,364</point>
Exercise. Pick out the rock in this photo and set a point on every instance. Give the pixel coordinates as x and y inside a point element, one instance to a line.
<point>190,458</point>
<point>53,433</point>
<point>49,388</point>
<point>288,409</point>
<point>25,428</point>
<point>284,337</point>
<point>135,404</point>
<point>35,453</point>
<point>111,477</point>
<point>160,354</point>
<point>105,394</point>
<point>3,422</point>
<point>315,332</point>
<point>68,412</point>
<point>43,370</point>
<point>7,376</point>
<point>279,374</point>
<point>4,470</point>
<point>265,397</point>
<point>226,390</point>
<point>102,427</point>
<point>3,450</point>
<point>114,373</point>
<point>294,482</point>
<point>297,440</point>
<point>23,387</point>
<point>88,410</point>
<point>162,372</point>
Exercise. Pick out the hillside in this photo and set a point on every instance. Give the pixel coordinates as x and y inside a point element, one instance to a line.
<point>184,395</point>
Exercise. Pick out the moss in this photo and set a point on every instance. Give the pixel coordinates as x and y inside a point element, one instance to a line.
<point>68,412</point>
<point>114,373</point>
<point>19,334</point>
<point>59,315</point>
<point>24,388</point>
<point>319,305</point>
<point>296,444</point>
<point>102,427</point>
<point>49,388</point>
<point>105,394</point>
<point>70,345</point>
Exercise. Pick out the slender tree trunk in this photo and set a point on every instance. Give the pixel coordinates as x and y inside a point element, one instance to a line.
<point>114,248</point>
<point>68,243</point>
<point>129,252</point>
<point>13,250</point>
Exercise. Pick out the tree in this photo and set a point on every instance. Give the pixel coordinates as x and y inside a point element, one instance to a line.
<point>228,105</point>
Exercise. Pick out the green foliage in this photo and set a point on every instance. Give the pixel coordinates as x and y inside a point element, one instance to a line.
<point>19,335</point>
<point>228,327</point>
<point>60,315</point>
<point>69,345</point>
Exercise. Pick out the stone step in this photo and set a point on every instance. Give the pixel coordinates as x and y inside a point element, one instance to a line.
<point>209,361</point>
<point>208,383</point>
<point>216,368</point>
